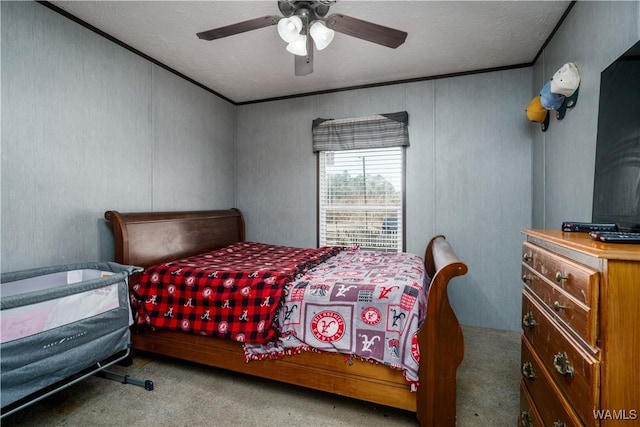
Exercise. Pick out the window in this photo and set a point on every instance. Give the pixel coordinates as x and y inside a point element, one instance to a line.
<point>361,198</point>
<point>361,180</point>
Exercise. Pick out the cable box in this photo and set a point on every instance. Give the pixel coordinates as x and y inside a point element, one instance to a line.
<point>588,226</point>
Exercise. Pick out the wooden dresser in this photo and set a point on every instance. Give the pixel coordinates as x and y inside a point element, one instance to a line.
<point>581,331</point>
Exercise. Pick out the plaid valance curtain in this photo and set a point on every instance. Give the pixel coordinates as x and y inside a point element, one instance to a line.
<point>379,131</point>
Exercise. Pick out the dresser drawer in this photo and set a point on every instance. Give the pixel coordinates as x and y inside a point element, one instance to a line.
<point>542,390</point>
<point>575,279</point>
<point>575,372</point>
<point>581,318</point>
<point>529,416</point>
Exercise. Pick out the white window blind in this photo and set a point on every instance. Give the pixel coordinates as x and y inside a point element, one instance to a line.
<point>361,198</point>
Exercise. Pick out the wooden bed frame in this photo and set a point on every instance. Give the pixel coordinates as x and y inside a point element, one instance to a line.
<point>148,238</point>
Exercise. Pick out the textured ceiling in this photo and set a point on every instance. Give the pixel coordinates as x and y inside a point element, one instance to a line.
<point>445,37</point>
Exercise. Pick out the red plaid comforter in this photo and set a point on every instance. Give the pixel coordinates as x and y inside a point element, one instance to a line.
<point>233,292</point>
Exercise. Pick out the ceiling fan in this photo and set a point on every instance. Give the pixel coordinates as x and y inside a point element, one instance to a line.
<point>305,23</point>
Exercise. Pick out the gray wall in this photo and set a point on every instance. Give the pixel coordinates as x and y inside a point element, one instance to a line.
<point>468,176</point>
<point>88,126</point>
<point>593,35</point>
<point>477,171</point>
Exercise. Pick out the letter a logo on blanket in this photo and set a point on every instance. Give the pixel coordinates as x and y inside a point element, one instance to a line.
<point>371,316</point>
<point>327,326</point>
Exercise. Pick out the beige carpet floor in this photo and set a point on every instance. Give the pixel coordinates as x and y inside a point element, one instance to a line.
<point>187,394</point>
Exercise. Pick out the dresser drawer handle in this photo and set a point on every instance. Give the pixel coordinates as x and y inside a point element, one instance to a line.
<point>528,321</point>
<point>562,364</point>
<point>525,278</point>
<point>525,419</point>
<point>557,306</point>
<point>559,424</point>
<point>527,371</point>
<point>560,277</point>
<point>527,257</point>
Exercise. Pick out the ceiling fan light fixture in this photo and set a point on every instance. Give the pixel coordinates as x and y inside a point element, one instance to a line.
<point>298,46</point>
<point>289,28</point>
<point>321,35</point>
<point>305,27</point>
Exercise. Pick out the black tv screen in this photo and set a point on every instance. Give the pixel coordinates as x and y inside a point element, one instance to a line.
<point>616,189</point>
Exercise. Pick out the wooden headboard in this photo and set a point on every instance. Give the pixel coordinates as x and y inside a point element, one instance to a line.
<point>148,238</point>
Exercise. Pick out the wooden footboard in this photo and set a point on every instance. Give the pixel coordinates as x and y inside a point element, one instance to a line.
<point>149,238</point>
<point>442,339</point>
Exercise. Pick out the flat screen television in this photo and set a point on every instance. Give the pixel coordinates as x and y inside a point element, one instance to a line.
<point>616,189</point>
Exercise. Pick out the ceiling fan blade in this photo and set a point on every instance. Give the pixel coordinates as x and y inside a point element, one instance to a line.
<point>366,30</point>
<point>240,27</point>
<point>304,64</point>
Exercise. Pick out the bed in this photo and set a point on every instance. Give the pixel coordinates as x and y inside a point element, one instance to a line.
<point>151,238</point>
<point>59,325</point>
